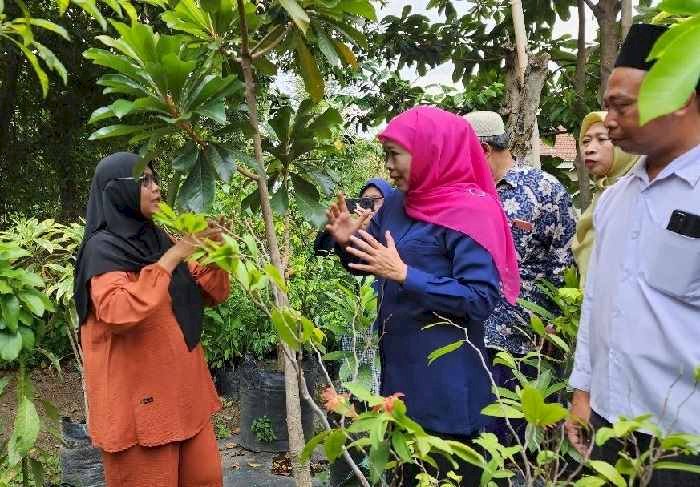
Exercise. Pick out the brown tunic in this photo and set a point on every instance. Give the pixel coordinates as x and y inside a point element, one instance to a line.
<point>143,386</point>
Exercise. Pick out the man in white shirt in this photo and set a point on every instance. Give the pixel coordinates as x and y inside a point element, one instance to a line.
<point>639,336</point>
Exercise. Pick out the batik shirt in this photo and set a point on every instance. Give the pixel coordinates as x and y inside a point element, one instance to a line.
<point>542,221</point>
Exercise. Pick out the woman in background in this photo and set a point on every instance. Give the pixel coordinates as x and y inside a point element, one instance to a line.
<point>606,165</point>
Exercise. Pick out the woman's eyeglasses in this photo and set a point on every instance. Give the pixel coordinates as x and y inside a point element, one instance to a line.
<point>145,180</point>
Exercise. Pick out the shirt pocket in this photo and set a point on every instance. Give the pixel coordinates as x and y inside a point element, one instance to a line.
<point>672,263</point>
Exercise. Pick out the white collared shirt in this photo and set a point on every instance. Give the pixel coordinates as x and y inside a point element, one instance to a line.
<point>639,336</point>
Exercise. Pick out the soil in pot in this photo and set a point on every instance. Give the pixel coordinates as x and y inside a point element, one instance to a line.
<point>81,463</point>
<point>263,410</point>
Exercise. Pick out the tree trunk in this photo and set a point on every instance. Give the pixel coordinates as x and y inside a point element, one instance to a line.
<point>533,151</point>
<point>584,180</point>
<point>302,471</point>
<point>627,17</point>
<point>522,103</point>
<point>606,14</point>
<point>8,99</point>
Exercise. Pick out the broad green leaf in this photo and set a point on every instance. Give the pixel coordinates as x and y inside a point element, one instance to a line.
<point>360,392</point>
<point>346,54</point>
<point>449,348</point>
<point>349,32</point>
<point>608,471</point>
<point>28,339</point>
<point>265,66</point>
<point>37,471</point>
<point>545,456</point>
<point>62,6</point>
<point>33,301</point>
<point>680,7</point>
<point>313,80</point>
<point>177,71</point>
<point>25,433</point>
<point>310,207</point>
<point>684,467</point>
<point>210,88</point>
<point>280,201</point>
<point>334,443</point>
<point>378,458</point>
<point>129,9</point>
<point>311,446</point>
<point>216,110</point>
<point>282,325</point>
<point>400,445</point>
<point>502,411</point>
<point>274,274</point>
<point>590,482</point>
<point>117,131</point>
<point>186,161</point>
<point>537,412</point>
<point>674,76</point>
<point>10,345</point>
<point>537,325</point>
<point>197,192</point>
<point>271,38</point>
<point>140,38</point>
<point>222,162</point>
<point>10,311</point>
<point>326,46</point>
<point>102,113</point>
<point>322,125</point>
<point>362,8</point>
<point>121,108</point>
<point>131,77</point>
<point>466,453</point>
<point>298,14</point>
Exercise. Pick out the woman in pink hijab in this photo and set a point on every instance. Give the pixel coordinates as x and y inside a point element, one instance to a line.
<point>442,250</point>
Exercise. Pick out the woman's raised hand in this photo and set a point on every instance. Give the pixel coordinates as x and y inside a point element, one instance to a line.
<point>341,224</point>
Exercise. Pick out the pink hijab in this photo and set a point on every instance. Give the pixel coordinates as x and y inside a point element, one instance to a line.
<point>451,185</point>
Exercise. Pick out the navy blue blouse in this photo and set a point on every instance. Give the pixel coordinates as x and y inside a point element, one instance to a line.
<point>449,276</point>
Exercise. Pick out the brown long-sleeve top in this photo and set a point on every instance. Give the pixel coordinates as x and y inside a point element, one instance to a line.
<point>143,385</point>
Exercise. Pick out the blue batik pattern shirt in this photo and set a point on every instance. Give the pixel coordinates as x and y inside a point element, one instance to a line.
<point>542,221</point>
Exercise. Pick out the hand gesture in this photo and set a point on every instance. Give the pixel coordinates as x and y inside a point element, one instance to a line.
<point>341,225</point>
<point>379,260</point>
<point>577,423</point>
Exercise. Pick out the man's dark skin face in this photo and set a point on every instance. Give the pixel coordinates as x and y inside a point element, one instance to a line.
<point>662,139</point>
<point>623,115</point>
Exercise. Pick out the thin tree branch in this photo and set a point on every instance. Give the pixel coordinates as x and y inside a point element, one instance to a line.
<point>594,8</point>
<point>245,172</point>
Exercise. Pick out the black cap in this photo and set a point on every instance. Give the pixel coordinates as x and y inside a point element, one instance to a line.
<point>638,45</point>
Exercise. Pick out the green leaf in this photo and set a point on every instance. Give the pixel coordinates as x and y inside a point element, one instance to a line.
<point>25,433</point>
<point>502,411</point>
<point>121,108</point>
<point>334,444</point>
<point>117,62</point>
<point>674,76</point>
<point>215,110</point>
<point>378,458</point>
<point>265,66</point>
<point>346,54</point>
<point>449,348</point>
<point>186,161</point>
<point>280,201</point>
<point>37,471</point>
<point>197,192</point>
<point>696,375</point>
<point>48,25</point>
<point>307,199</point>
<point>313,80</point>
<point>362,8</point>
<point>10,345</point>
<point>33,301</point>
<point>52,61</point>
<point>311,446</point>
<point>40,73</point>
<point>117,131</point>
<point>590,482</point>
<point>608,471</point>
<point>100,114</point>
<point>360,392</point>
<point>537,412</point>
<point>221,160</point>
<point>400,445</point>
<point>326,47</point>
<point>10,311</point>
<point>119,83</point>
<point>28,339</point>
<point>273,273</point>
<point>91,9</point>
<point>681,7</point>
<point>282,325</point>
<point>684,467</point>
<point>62,6</point>
<point>298,14</point>
<point>537,325</point>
